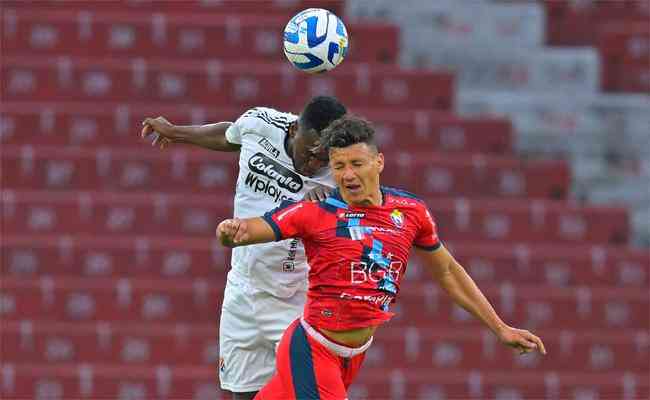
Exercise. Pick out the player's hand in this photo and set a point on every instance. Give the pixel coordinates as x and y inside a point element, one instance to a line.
<point>160,129</point>
<point>521,340</point>
<point>232,232</point>
<point>319,193</point>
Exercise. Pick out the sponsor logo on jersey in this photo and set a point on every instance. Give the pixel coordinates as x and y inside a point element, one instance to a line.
<point>269,147</point>
<point>382,300</point>
<point>397,217</point>
<point>261,185</point>
<point>289,265</point>
<point>352,215</point>
<point>270,168</point>
<point>362,272</point>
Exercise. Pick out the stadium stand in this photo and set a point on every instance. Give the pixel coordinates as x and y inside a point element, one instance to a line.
<point>525,130</point>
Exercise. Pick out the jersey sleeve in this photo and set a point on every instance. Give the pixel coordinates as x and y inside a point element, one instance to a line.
<point>261,121</point>
<point>291,219</point>
<point>426,237</point>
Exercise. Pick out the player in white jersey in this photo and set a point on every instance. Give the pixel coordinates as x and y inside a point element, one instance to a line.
<point>267,283</point>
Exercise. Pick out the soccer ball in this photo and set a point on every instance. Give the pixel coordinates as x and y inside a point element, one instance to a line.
<point>315,40</point>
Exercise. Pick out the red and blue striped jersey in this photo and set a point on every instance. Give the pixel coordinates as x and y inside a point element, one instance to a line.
<point>358,255</point>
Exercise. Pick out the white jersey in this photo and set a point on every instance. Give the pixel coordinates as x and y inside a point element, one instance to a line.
<point>266,177</point>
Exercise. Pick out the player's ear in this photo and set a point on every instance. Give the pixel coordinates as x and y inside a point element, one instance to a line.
<point>293,128</point>
<point>380,162</point>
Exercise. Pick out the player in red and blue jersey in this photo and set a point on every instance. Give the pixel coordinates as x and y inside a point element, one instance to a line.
<point>358,243</point>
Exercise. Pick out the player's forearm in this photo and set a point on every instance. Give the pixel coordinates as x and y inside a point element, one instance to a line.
<point>210,136</point>
<point>464,291</point>
<point>242,232</point>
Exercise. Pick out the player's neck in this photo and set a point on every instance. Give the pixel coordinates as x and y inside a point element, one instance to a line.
<point>375,199</point>
<point>288,146</point>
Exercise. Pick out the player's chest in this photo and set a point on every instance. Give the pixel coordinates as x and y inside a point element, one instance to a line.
<point>266,170</point>
<point>386,231</point>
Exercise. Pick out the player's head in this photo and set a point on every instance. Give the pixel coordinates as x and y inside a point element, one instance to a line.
<point>354,159</point>
<point>306,132</point>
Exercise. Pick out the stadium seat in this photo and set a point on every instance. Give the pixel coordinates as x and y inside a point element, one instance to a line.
<point>116,124</point>
<point>220,84</point>
<point>579,24</point>
<point>36,212</point>
<point>131,169</point>
<point>226,37</point>
<point>625,49</point>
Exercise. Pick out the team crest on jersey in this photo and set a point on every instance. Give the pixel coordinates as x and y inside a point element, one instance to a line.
<point>397,217</point>
<point>222,365</point>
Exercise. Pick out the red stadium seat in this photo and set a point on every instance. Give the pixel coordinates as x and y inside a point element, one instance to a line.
<point>579,24</point>
<point>225,37</point>
<point>221,84</point>
<point>116,124</point>
<point>70,168</point>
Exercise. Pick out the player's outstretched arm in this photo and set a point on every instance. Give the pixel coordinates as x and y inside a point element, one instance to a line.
<point>241,232</point>
<point>464,291</point>
<point>209,136</point>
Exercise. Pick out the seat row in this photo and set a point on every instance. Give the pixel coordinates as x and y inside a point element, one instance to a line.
<point>572,24</point>
<point>117,124</point>
<point>198,7</point>
<point>157,214</point>
<point>195,300</point>
<point>146,169</point>
<point>162,34</point>
<point>71,380</point>
<point>175,257</point>
<point>35,342</point>
<point>219,83</point>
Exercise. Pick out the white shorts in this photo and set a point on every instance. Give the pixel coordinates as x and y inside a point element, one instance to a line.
<point>252,323</point>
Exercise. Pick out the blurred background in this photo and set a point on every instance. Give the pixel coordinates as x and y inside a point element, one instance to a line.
<point>524,124</point>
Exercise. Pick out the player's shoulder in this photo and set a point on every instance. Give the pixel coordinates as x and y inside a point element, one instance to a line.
<point>265,122</point>
<point>270,117</point>
<point>399,196</point>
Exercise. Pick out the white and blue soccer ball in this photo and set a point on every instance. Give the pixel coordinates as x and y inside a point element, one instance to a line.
<point>315,40</point>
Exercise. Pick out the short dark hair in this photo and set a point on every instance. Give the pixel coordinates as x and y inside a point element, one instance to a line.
<point>347,131</point>
<point>321,111</point>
